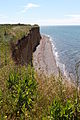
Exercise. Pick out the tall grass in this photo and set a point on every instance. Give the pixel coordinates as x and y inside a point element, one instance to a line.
<point>18,99</point>
<point>30,96</point>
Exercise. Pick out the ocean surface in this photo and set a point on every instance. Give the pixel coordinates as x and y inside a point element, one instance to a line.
<point>66,47</point>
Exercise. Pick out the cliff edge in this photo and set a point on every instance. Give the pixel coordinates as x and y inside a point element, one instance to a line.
<point>23,49</point>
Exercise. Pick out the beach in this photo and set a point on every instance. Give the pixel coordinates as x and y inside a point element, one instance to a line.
<point>43,58</point>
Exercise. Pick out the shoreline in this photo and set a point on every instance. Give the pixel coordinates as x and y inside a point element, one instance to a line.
<point>44,59</point>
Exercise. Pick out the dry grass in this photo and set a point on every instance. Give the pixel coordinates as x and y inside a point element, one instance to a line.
<point>48,89</point>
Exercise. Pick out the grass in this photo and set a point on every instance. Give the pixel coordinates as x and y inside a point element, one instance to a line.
<point>49,91</point>
<point>14,32</point>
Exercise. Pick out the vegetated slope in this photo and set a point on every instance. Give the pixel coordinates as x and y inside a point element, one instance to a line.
<point>10,33</point>
<point>14,34</point>
<point>20,36</point>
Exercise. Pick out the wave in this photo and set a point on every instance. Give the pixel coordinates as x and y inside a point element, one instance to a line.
<point>57,58</point>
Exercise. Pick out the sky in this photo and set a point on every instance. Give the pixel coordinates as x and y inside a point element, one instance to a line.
<point>42,12</point>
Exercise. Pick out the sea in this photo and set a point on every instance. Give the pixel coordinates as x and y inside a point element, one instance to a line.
<point>66,47</point>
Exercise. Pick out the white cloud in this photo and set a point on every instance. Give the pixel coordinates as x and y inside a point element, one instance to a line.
<point>68,21</point>
<point>29,6</point>
<point>76,16</point>
<point>53,21</point>
<point>65,21</point>
<point>2,16</point>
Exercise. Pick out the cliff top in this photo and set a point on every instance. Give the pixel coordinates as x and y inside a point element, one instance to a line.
<point>14,31</point>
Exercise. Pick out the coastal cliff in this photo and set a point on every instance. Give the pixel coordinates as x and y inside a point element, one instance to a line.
<point>22,51</point>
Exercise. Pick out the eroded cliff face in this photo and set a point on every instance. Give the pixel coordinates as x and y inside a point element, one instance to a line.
<point>22,51</point>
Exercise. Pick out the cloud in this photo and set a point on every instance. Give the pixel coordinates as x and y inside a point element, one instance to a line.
<point>3,16</point>
<point>76,16</point>
<point>44,22</point>
<point>54,21</point>
<point>29,6</point>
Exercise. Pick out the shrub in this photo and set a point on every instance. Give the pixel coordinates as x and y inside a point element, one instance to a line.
<point>20,94</point>
<point>60,111</point>
<point>64,111</point>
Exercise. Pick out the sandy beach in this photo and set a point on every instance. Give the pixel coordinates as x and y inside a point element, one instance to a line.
<point>43,58</point>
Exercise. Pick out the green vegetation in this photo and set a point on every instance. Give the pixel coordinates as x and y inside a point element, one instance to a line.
<point>18,99</point>
<point>26,95</point>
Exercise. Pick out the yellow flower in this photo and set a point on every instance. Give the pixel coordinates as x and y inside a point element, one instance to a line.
<point>26,114</point>
<point>5,117</point>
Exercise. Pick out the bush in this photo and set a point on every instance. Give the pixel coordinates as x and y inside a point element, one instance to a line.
<point>20,94</point>
<point>63,111</point>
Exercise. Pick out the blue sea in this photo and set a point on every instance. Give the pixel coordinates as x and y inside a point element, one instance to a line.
<point>66,47</point>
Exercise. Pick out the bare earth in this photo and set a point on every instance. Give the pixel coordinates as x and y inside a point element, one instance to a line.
<point>43,58</point>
